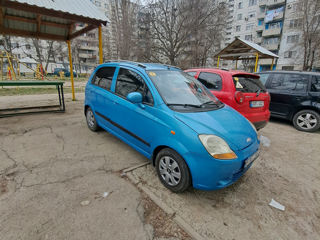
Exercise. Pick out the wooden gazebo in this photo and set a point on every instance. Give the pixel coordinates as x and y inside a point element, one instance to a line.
<point>241,49</point>
<point>51,20</point>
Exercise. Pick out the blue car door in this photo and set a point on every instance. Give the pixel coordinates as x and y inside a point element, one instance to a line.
<point>101,86</point>
<point>136,123</point>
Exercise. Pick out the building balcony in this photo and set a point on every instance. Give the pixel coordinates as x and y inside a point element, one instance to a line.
<point>261,15</point>
<point>258,40</point>
<point>87,55</point>
<point>271,47</point>
<point>265,61</point>
<point>279,16</point>
<point>260,28</point>
<point>273,3</point>
<point>271,32</point>
<point>263,2</point>
<point>84,47</point>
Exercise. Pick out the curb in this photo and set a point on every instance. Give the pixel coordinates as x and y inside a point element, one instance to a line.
<point>168,210</point>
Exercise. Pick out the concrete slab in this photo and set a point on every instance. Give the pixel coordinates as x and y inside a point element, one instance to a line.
<point>51,163</point>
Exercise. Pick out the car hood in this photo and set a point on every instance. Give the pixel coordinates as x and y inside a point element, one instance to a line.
<point>225,123</point>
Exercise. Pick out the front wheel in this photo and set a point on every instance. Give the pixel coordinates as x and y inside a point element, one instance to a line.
<point>307,120</point>
<point>172,170</point>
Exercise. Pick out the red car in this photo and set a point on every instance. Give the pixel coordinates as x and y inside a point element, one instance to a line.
<point>240,90</point>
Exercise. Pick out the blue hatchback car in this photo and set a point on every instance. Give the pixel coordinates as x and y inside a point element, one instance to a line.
<point>172,119</point>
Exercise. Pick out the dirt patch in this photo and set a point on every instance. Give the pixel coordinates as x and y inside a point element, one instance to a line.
<point>163,225</point>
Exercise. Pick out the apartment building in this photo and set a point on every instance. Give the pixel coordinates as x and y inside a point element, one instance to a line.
<point>272,24</point>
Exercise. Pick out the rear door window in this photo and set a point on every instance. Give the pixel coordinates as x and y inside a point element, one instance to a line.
<point>248,84</point>
<point>315,84</point>
<point>289,82</point>
<point>103,77</point>
<point>212,81</point>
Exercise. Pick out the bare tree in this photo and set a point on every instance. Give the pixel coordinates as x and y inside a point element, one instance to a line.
<point>124,22</point>
<point>309,12</point>
<point>185,31</point>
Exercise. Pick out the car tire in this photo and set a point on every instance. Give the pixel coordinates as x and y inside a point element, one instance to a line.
<point>306,120</point>
<point>172,170</point>
<point>91,120</point>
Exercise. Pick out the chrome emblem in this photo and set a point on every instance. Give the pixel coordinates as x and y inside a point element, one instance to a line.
<point>248,139</point>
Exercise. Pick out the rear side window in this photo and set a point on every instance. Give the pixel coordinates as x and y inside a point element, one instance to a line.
<point>212,81</point>
<point>315,84</point>
<point>129,81</point>
<point>289,82</point>
<point>264,78</point>
<point>192,73</point>
<point>248,84</point>
<point>103,77</point>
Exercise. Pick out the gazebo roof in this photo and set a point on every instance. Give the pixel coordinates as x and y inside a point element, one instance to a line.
<point>243,49</point>
<point>49,19</point>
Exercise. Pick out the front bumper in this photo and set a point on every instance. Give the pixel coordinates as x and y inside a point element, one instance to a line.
<point>210,174</point>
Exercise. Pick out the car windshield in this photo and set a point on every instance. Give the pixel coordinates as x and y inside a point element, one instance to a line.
<point>248,84</point>
<point>180,90</point>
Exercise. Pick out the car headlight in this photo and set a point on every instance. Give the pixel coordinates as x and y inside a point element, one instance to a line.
<point>254,128</point>
<point>217,147</point>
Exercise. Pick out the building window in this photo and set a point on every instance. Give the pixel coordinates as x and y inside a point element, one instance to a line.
<point>290,54</point>
<point>28,46</point>
<point>252,2</point>
<point>248,37</point>
<point>239,17</point>
<point>240,5</point>
<point>251,14</point>
<point>295,23</point>
<point>268,41</point>
<point>293,39</point>
<point>249,27</point>
<point>260,22</point>
<point>238,28</point>
<point>98,3</point>
<point>259,34</point>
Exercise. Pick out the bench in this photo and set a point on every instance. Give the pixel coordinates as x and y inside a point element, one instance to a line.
<point>37,109</point>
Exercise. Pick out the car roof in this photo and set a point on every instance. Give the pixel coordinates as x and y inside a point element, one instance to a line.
<point>218,70</point>
<point>292,72</point>
<point>143,66</point>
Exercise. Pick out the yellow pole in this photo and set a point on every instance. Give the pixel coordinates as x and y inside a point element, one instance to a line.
<point>1,67</point>
<point>272,64</point>
<point>218,61</point>
<point>71,70</point>
<point>11,67</point>
<point>236,64</point>
<point>257,58</point>
<point>100,46</point>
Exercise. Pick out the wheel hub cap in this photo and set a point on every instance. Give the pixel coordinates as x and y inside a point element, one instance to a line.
<point>307,121</point>
<point>170,171</point>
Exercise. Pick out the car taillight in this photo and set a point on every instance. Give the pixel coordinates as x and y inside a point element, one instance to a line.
<point>239,97</point>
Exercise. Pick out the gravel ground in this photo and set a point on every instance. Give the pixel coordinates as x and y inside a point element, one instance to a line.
<point>287,171</point>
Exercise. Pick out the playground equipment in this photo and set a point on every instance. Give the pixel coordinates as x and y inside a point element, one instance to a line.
<point>13,67</point>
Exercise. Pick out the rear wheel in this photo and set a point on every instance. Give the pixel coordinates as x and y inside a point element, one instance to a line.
<point>306,120</point>
<point>91,120</point>
<point>172,170</point>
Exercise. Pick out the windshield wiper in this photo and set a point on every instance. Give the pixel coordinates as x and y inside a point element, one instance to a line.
<point>211,103</point>
<point>258,92</point>
<point>184,105</point>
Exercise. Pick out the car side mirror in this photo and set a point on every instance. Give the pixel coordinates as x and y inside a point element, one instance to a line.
<point>135,97</point>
